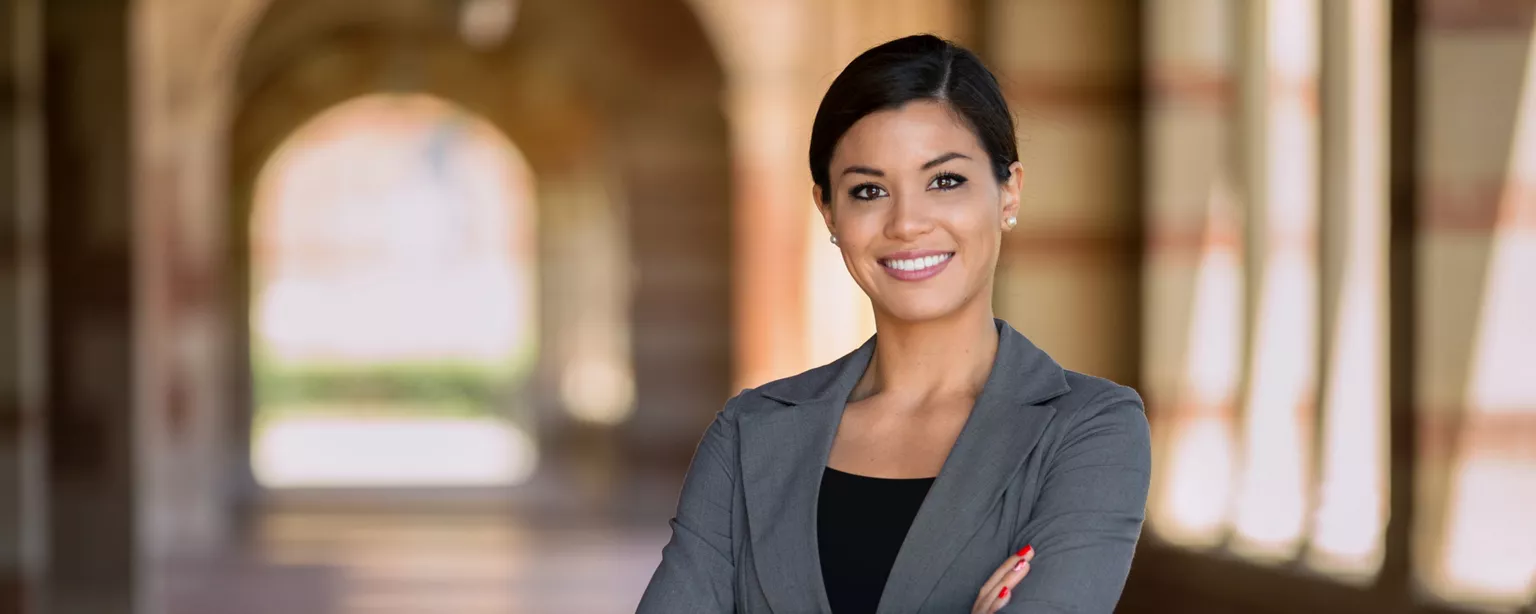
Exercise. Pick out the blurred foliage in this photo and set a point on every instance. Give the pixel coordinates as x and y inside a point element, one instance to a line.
<point>438,387</point>
<point>355,412</point>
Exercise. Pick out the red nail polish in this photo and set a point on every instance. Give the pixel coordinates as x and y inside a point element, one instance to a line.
<point>1023,552</point>
<point>1003,594</point>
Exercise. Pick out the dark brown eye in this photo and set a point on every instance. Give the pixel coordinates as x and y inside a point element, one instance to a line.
<point>946,182</point>
<point>866,191</point>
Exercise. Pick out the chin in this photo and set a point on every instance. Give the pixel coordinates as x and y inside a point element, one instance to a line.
<point>921,308</point>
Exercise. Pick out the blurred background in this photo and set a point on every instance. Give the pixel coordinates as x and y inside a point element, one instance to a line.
<point>336,306</point>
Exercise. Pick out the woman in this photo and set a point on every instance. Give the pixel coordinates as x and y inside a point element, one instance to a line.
<point>948,465</point>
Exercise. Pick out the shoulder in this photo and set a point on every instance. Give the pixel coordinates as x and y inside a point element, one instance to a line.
<point>782,392</point>
<point>1097,407</point>
<point>1037,379</point>
<point>1090,394</point>
<point>825,381</point>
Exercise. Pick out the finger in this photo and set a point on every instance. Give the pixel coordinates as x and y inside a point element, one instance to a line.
<point>984,603</point>
<point>1004,595</point>
<point>1015,575</point>
<point>1006,586</point>
<point>990,586</point>
<point>990,590</point>
<point>992,583</point>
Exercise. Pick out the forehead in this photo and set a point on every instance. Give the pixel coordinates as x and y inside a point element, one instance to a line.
<point>909,135</point>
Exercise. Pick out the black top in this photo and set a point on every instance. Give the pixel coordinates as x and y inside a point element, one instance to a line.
<point>860,524</point>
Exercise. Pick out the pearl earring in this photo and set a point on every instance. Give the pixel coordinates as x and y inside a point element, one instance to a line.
<point>1010,222</point>
<point>834,239</point>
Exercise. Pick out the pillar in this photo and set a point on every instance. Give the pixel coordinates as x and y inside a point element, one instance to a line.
<point>769,131</point>
<point>89,387</point>
<point>22,487</point>
<point>1192,295</point>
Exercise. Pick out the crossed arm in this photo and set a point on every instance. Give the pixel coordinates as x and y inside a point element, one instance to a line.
<point>1089,512</point>
<point>1084,527</point>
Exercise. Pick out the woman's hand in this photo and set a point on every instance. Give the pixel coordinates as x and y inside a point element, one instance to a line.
<point>999,588</point>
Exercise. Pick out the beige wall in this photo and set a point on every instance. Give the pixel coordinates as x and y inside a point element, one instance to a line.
<point>1067,276</point>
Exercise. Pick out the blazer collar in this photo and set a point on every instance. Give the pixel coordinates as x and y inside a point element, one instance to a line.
<point>784,450</point>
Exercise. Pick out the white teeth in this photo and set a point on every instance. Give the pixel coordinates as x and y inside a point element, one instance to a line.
<point>917,264</point>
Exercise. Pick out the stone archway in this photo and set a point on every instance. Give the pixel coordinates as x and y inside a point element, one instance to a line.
<point>617,114</point>
<point>393,309</point>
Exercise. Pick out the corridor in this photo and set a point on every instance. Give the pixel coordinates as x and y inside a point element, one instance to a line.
<point>422,306</point>
<point>465,562</point>
<point>547,547</point>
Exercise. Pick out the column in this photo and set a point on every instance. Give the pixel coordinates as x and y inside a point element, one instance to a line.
<point>1193,293</point>
<point>89,388</point>
<point>22,474</point>
<point>1351,477</point>
<point>1280,156</point>
<point>769,131</point>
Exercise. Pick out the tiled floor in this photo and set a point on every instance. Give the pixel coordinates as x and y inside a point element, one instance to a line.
<point>461,563</point>
<point>567,544</point>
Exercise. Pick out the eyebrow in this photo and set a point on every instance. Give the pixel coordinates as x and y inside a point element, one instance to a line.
<point>944,158</point>
<point>865,170</point>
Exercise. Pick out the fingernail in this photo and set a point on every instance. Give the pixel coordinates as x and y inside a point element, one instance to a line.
<point>1003,594</point>
<point>1026,550</point>
<point>1019,566</point>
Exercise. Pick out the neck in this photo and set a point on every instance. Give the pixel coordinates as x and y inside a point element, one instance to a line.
<point>949,355</point>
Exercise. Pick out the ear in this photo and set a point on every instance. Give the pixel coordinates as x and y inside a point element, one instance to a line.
<point>823,205</point>
<point>1011,189</point>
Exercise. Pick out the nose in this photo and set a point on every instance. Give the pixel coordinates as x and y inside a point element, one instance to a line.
<point>909,219</point>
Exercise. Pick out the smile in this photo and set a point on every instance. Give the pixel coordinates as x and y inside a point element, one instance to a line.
<point>913,267</point>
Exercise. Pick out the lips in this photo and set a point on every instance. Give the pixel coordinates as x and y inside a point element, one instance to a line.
<point>916,265</point>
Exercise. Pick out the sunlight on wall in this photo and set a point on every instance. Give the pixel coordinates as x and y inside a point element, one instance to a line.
<point>1273,496</point>
<point>1194,317</point>
<point>1261,488</point>
<point>1202,453</point>
<point>1490,535</point>
<point>393,289</point>
<point>1350,522</point>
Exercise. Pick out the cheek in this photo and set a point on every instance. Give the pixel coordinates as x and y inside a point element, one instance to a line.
<point>857,231</point>
<point>975,224</point>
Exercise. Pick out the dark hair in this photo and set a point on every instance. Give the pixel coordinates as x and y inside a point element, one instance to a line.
<point>919,67</point>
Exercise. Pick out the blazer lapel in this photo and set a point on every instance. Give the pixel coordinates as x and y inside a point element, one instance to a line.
<point>784,450</point>
<point>1005,424</point>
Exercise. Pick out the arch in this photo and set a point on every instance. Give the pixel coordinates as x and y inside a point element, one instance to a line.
<point>416,326</point>
<point>612,96</point>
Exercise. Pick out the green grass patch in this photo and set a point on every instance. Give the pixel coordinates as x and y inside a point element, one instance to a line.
<point>436,388</point>
<point>362,412</point>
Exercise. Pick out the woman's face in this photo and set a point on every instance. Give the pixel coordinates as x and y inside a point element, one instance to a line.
<point>917,211</point>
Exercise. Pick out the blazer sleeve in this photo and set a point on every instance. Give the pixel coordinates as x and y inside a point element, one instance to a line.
<point>697,569</point>
<point>1090,510</point>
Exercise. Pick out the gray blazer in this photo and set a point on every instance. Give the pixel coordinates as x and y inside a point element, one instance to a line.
<point>1048,457</point>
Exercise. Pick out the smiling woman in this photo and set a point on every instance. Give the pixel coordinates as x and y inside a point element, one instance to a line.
<point>948,464</point>
<point>911,178</point>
